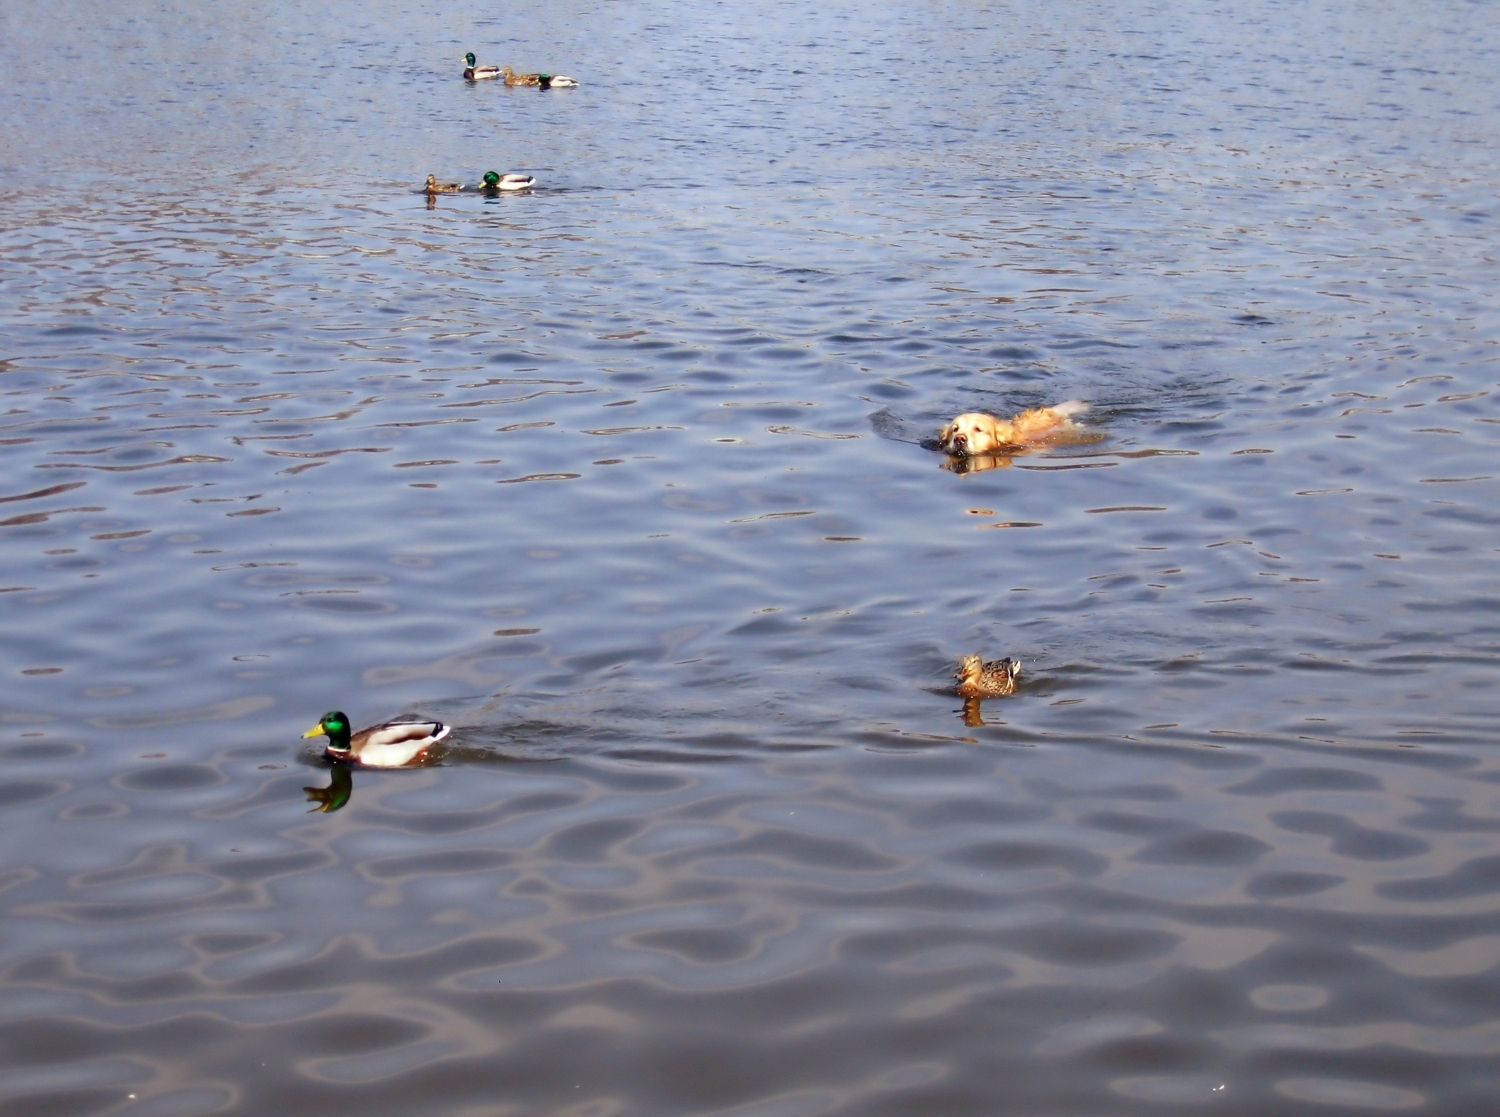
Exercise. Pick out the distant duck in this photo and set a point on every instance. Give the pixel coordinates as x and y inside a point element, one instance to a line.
<point>392,744</point>
<point>512,78</point>
<point>474,72</point>
<point>977,679</point>
<point>556,81</point>
<point>436,187</point>
<point>494,180</point>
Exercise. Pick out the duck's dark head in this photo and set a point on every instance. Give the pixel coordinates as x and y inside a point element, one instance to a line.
<point>492,179</point>
<point>335,725</point>
<point>470,60</point>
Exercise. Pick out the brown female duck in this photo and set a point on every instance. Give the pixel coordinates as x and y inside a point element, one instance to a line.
<point>978,679</point>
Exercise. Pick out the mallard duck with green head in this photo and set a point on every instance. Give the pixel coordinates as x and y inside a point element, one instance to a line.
<point>556,81</point>
<point>475,72</point>
<point>494,182</point>
<point>392,744</point>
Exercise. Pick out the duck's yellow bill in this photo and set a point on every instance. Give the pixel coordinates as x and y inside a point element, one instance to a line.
<point>315,731</point>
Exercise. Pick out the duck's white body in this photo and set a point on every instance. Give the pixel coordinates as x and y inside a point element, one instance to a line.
<point>395,745</point>
<point>496,181</point>
<point>474,72</point>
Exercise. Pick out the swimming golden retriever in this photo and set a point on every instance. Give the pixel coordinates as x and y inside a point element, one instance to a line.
<point>975,433</point>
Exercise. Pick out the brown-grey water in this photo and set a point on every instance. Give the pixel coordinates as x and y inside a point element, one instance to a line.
<point>624,478</point>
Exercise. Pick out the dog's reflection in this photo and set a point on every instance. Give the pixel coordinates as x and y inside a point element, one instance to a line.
<point>977,463</point>
<point>336,794</point>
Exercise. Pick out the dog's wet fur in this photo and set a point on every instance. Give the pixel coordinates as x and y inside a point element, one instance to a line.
<point>975,433</point>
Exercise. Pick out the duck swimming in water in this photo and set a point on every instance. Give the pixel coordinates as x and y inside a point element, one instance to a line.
<point>494,181</point>
<point>475,72</point>
<point>436,187</point>
<point>550,81</point>
<point>392,744</point>
<point>977,679</point>
<point>513,78</point>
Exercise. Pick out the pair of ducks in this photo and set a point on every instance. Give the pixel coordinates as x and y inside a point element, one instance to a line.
<point>475,72</point>
<point>397,744</point>
<point>493,181</point>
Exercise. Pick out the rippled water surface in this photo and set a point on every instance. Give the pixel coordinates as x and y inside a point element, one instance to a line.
<point>629,479</point>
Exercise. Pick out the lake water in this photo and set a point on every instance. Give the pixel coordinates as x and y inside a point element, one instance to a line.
<point>625,478</point>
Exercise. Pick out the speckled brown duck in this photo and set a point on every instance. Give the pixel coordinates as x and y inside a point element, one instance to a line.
<point>512,78</point>
<point>978,679</point>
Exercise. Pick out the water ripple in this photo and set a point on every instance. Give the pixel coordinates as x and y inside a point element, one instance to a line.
<point>711,832</point>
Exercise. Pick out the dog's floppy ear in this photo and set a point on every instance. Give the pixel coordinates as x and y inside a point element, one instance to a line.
<point>945,434</point>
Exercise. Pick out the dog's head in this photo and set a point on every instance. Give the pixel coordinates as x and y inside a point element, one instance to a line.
<point>974,433</point>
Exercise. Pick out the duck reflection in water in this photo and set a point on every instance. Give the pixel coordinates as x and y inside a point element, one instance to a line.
<point>336,794</point>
